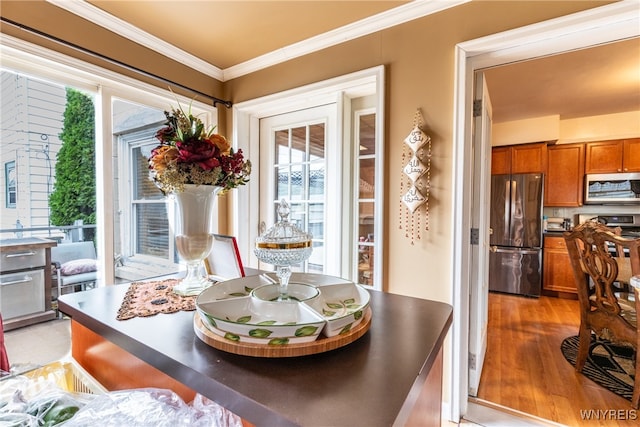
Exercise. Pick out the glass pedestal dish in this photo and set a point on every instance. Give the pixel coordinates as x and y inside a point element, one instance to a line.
<point>284,245</point>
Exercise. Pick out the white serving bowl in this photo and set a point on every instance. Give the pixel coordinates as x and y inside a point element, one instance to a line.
<point>233,288</point>
<point>342,306</point>
<point>249,319</point>
<point>295,291</point>
<point>242,286</point>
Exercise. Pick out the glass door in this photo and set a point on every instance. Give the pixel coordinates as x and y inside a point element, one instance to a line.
<point>300,163</point>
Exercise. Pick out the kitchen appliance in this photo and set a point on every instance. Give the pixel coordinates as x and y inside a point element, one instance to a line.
<point>612,188</point>
<point>515,259</point>
<point>628,223</point>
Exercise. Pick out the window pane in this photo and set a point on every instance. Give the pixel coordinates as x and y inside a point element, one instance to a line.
<point>367,178</point>
<point>366,194</point>
<point>366,221</point>
<point>298,215</point>
<point>152,229</point>
<point>315,263</point>
<point>283,182</point>
<point>365,265</point>
<point>282,146</point>
<point>316,141</point>
<point>298,144</point>
<point>144,188</point>
<point>316,180</point>
<point>367,136</point>
<point>11,184</point>
<point>297,183</point>
<point>316,220</point>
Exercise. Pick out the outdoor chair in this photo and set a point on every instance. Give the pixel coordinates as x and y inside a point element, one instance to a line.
<point>603,264</point>
<point>73,266</point>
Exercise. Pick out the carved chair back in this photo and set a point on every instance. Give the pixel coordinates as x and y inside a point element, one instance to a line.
<point>603,263</point>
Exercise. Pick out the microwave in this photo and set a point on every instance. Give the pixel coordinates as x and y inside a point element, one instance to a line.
<point>612,188</point>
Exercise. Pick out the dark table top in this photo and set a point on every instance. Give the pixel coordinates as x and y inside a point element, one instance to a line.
<point>373,381</point>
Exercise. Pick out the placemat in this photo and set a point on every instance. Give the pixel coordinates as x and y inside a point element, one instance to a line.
<point>150,298</point>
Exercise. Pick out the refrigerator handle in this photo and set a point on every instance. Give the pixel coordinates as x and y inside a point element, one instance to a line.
<point>514,191</point>
<point>496,249</point>
<point>507,213</point>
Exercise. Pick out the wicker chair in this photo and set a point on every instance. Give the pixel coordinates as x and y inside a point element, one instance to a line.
<point>605,308</point>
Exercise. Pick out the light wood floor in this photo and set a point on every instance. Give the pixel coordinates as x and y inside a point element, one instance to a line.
<point>525,370</point>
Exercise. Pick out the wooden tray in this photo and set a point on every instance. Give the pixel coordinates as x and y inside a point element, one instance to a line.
<point>320,345</point>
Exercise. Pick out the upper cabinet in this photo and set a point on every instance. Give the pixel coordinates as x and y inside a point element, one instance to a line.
<point>564,180</point>
<point>525,158</point>
<point>622,155</point>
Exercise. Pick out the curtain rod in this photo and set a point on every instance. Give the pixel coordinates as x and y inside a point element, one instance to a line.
<point>23,27</point>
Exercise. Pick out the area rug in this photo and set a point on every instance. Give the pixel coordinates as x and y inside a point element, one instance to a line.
<point>609,365</point>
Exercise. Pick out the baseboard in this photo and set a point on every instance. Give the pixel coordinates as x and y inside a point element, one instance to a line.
<point>484,413</point>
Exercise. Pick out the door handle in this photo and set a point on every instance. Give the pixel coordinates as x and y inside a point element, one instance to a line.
<point>30,253</point>
<point>15,282</point>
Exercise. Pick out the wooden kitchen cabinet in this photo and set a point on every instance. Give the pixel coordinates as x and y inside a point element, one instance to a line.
<point>620,155</point>
<point>501,160</point>
<point>631,155</point>
<point>564,180</point>
<point>557,273</point>
<point>524,158</point>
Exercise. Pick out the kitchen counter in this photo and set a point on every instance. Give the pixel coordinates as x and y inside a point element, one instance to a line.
<point>390,376</point>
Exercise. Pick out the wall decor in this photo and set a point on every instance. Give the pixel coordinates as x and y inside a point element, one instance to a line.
<point>415,181</point>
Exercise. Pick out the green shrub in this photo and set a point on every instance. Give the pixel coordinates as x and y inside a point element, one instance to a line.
<point>74,193</point>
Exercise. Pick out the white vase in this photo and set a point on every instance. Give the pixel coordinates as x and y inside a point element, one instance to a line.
<point>193,229</point>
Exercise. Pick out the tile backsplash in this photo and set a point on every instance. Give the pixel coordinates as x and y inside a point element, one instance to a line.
<point>573,213</point>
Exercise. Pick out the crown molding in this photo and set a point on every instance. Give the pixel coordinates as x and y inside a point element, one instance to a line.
<point>135,34</point>
<point>396,16</point>
<point>399,15</point>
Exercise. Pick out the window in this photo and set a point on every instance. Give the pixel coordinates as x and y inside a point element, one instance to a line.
<point>143,236</point>
<point>300,168</point>
<point>114,188</point>
<point>11,190</point>
<point>151,233</point>
<point>365,136</point>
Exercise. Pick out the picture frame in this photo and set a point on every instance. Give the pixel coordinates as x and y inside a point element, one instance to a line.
<point>224,262</point>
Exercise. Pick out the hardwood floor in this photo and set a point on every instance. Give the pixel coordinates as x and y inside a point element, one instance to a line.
<point>525,370</point>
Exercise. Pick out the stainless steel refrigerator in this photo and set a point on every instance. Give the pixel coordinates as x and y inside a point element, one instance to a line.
<point>515,259</point>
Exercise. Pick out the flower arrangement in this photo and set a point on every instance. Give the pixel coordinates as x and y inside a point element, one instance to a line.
<point>189,154</point>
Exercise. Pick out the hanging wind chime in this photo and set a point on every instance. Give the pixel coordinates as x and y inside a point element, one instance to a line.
<point>415,181</point>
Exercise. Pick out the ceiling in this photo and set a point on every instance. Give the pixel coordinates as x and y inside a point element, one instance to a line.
<point>237,35</point>
<point>589,82</point>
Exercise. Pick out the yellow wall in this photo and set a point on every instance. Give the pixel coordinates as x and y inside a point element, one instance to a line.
<point>419,61</point>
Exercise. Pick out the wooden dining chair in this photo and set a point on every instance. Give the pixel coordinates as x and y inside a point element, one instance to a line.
<point>599,269</point>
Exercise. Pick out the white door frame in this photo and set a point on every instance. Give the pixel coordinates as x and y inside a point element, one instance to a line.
<point>604,24</point>
<point>246,131</point>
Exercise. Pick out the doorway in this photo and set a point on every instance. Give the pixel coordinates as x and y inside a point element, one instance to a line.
<point>602,25</point>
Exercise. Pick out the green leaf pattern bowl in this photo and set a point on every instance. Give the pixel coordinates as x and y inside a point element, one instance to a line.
<point>249,319</point>
<point>229,310</point>
<point>342,306</point>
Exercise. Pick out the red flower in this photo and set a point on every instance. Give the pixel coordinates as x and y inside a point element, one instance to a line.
<point>201,152</point>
